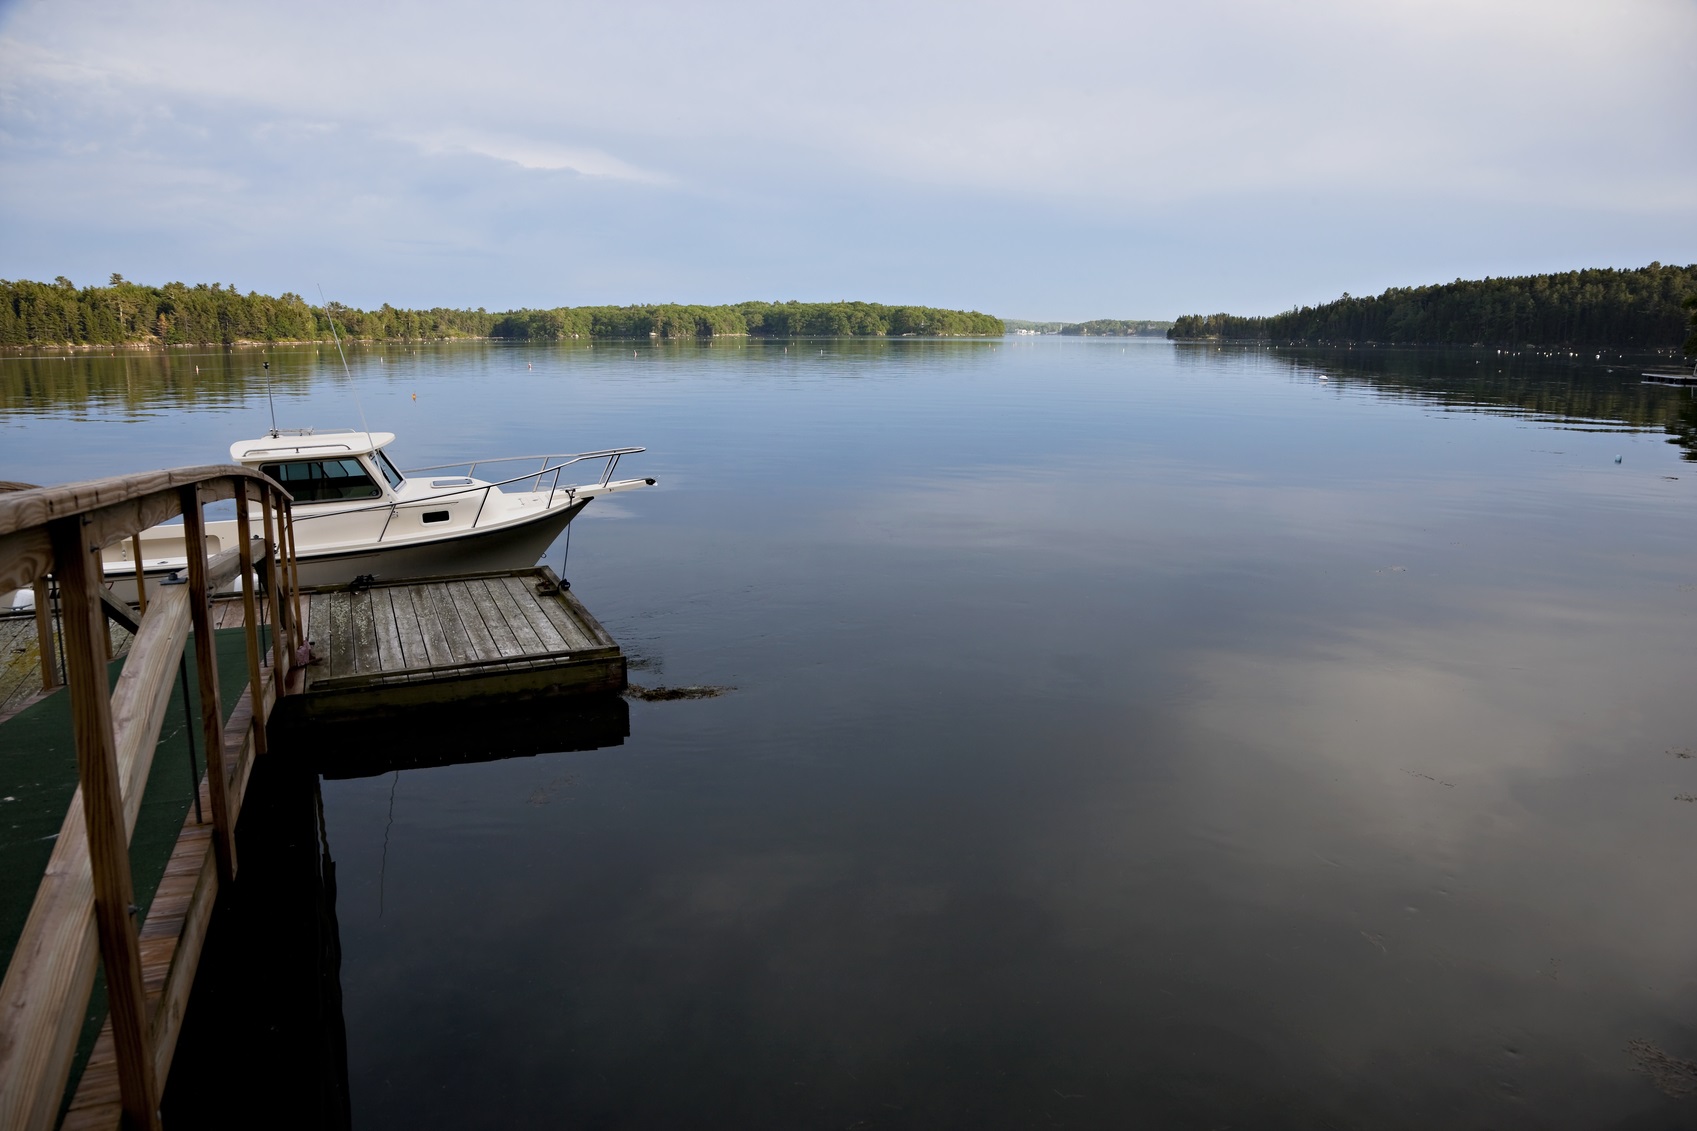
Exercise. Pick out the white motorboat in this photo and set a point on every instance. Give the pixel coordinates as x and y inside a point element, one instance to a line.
<point>355,513</point>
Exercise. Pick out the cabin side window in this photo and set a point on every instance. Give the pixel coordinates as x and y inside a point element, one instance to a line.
<point>389,470</point>
<point>324,480</point>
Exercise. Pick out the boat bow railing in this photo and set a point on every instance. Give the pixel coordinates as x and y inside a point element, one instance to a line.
<point>550,465</point>
<point>550,469</point>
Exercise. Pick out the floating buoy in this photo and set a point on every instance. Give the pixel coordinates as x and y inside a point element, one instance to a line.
<point>1617,459</point>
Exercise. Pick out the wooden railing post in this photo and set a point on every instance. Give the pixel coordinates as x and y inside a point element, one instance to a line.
<point>206,663</point>
<point>77,567</point>
<point>273,576</point>
<point>44,634</point>
<point>141,574</point>
<point>292,557</point>
<point>250,616</point>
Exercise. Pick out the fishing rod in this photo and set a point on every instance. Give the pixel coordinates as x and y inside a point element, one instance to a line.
<point>271,400</point>
<point>364,427</point>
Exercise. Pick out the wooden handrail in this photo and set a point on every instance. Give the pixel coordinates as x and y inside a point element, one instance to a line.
<point>111,510</point>
<point>38,506</point>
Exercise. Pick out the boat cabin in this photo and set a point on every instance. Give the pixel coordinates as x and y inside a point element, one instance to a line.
<point>325,466</point>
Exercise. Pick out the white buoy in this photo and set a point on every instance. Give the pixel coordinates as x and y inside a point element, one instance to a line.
<point>1617,459</point>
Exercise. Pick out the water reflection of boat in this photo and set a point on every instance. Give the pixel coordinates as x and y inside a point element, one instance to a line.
<point>356,513</point>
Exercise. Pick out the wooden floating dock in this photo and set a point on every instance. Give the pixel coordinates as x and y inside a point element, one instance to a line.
<point>396,645</point>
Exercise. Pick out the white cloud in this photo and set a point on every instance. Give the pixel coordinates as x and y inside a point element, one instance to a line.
<point>531,154</point>
<point>1138,102</point>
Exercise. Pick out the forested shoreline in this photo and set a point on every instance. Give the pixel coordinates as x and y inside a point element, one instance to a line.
<point>1114,328</point>
<point>1095,328</point>
<point>745,319</point>
<point>123,313</point>
<point>1646,307</point>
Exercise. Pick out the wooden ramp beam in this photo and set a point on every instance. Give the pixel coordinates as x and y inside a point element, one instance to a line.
<point>106,832</point>
<point>172,938</point>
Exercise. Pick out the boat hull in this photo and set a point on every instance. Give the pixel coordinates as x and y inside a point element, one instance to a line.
<point>519,546</point>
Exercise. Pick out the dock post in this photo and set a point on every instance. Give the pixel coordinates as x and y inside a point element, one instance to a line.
<point>206,665</point>
<point>250,617</point>
<point>292,564</point>
<point>77,567</point>
<point>141,573</point>
<point>44,634</point>
<point>273,576</point>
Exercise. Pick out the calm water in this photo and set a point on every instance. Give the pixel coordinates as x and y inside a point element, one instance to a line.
<point>1122,735</point>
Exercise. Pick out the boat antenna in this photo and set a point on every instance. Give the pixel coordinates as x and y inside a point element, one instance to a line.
<point>272,400</point>
<point>363,427</point>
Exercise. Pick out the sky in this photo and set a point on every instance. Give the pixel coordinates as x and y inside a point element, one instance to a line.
<point>1053,161</point>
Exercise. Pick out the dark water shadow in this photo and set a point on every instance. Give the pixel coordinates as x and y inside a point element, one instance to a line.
<point>452,735</point>
<point>264,1042</point>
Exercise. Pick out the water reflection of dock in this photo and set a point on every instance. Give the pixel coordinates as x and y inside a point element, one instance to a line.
<point>1670,376</point>
<point>453,737</point>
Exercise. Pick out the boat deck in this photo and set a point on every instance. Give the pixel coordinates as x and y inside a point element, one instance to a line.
<point>397,645</point>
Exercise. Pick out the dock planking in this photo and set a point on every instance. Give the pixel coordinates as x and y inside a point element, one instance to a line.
<point>20,661</point>
<point>394,645</point>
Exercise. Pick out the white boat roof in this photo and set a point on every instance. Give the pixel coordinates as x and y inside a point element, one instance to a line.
<point>293,443</point>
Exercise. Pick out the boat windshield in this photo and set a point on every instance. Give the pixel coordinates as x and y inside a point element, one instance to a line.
<point>324,480</point>
<point>389,470</point>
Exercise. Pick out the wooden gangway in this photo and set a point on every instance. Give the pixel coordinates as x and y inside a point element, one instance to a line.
<point>83,916</point>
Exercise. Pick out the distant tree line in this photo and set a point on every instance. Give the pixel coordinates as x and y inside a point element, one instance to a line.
<point>1644,307</point>
<point>125,313</point>
<point>1100,327</point>
<point>1114,328</point>
<point>122,313</point>
<point>751,319</point>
